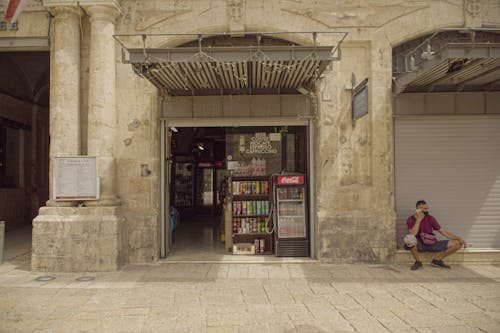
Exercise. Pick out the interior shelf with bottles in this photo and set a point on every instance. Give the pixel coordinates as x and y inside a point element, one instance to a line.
<point>183,184</point>
<point>250,212</point>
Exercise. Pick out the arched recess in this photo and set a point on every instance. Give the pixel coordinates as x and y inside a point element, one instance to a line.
<point>303,72</point>
<point>23,112</point>
<point>424,22</point>
<point>446,92</point>
<point>15,82</point>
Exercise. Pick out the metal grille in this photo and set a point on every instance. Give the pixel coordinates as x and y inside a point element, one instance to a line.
<point>292,248</point>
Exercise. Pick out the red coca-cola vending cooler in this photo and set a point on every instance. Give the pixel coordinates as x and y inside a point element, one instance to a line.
<point>291,225</point>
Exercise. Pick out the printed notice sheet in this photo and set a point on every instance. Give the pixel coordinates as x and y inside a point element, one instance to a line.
<point>75,178</point>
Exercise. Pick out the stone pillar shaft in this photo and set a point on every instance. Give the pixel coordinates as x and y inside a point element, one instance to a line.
<point>65,134</point>
<point>102,114</point>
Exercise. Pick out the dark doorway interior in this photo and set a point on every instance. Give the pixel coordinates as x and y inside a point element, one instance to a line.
<point>199,176</point>
<point>24,136</point>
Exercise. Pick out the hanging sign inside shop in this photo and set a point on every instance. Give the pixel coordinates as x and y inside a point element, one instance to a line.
<point>217,164</point>
<point>75,178</point>
<point>275,136</point>
<point>261,144</point>
<point>242,144</point>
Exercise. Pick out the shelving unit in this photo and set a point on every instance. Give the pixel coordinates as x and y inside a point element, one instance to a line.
<point>251,206</point>
<point>183,184</point>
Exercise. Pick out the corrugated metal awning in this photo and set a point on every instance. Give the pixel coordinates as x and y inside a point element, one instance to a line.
<point>456,67</point>
<point>232,70</point>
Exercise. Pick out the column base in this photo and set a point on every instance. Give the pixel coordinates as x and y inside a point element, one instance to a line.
<point>77,239</point>
<point>104,201</point>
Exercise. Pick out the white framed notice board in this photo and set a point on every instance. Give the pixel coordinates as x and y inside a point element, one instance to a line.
<point>75,178</point>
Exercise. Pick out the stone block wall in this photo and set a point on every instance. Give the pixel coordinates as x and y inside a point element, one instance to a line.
<point>138,143</point>
<point>357,237</point>
<point>354,165</point>
<point>78,239</point>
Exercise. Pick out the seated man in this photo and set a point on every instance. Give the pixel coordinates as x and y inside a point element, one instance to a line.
<point>420,222</point>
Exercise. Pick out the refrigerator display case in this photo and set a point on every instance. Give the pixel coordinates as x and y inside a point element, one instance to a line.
<point>290,218</point>
<point>183,189</point>
<point>204,197</point>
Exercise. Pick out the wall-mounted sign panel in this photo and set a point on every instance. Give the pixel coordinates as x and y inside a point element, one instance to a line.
<point>360,101</point>
<point>75,178</point>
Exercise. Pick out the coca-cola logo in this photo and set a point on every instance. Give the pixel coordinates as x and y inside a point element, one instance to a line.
<point>291,180</point>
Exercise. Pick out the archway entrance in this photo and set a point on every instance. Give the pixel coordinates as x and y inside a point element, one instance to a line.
<point>24,144</point>
<point>240,81</point>
<point>447,130</point>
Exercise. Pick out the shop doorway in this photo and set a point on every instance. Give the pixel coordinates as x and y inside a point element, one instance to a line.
<point>202,162</point>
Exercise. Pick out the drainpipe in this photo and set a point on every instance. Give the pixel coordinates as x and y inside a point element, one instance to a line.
<point>2,233</point>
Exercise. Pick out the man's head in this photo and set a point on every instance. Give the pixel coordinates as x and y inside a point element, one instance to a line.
<point>422,205</point>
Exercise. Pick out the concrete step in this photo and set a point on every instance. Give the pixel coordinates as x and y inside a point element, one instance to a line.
<point>483,255</point>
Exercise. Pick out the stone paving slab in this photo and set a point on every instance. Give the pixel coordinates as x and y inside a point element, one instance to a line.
<point>257,297</point>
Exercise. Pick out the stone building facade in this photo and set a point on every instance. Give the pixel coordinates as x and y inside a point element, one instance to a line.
<point>100,107</point>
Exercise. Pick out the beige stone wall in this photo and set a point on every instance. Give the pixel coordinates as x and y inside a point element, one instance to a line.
<point>138,143</point>
<point>34,22</point>
<point>354,166</point>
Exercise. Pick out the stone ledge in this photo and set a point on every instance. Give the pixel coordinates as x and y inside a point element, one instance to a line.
<point>484,256</point>
<point>68,211</point>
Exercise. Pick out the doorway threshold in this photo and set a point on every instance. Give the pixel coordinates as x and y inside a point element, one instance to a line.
<point>235,259</point>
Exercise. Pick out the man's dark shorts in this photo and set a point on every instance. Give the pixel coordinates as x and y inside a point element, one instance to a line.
<point>440,246</point>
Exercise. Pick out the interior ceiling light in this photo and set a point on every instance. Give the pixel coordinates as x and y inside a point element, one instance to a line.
<point>200,146</point>
<point>456,65</point>
<point>173,129</point>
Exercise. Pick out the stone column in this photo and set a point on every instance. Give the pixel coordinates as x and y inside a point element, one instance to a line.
<point>102,114</point>
<point>64,88</point>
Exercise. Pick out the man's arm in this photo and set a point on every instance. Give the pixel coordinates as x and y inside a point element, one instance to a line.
<point>449,235</point>
<point>418,218</point>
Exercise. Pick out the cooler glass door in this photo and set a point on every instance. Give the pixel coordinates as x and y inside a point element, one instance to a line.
<point>291,222</point>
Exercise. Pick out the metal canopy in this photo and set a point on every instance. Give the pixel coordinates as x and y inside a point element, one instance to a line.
<point>251,68</point>
<point>231,70</point>
<point>457,66</point>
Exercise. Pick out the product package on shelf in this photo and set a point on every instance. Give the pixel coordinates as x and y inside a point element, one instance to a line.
<point>250,212</point>
<point>248,187</point>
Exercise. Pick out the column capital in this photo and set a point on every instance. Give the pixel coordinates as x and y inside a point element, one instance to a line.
<point>98,12</point>
<point>61,10</point>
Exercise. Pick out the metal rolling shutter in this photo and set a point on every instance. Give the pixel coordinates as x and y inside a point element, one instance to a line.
<point>453,162</point>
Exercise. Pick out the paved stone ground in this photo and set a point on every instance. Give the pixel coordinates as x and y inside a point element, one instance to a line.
<point>254,298</point>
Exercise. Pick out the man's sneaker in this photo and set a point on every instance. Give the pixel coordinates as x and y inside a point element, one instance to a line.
<point>416,265</point>
<point>439,263</point>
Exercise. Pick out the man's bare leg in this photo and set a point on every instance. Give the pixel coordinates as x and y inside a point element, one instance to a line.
<point>453,246</point>
<point>414,253</point>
